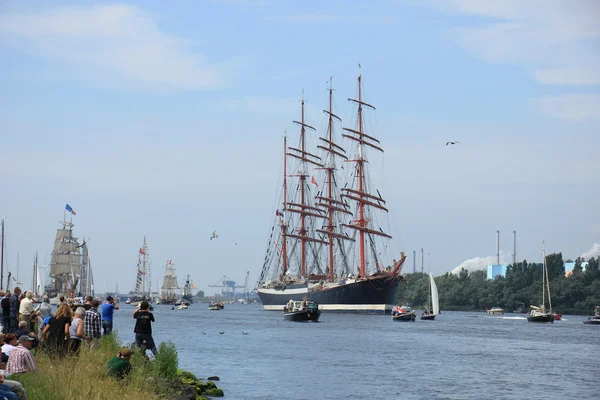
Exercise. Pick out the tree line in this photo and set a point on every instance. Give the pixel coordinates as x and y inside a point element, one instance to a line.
<point>577,293</point>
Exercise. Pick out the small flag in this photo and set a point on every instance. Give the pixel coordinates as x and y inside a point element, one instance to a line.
<point>142,251</point>
<point>70,209</point>
<point>314,181</point>
<point>193,286</point>
<point>168,261</point>
<point>278,213</point>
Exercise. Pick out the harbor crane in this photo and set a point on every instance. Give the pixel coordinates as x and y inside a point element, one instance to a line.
<point>229,287</point>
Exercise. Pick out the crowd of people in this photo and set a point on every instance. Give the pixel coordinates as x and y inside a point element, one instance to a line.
<point>26,329</point>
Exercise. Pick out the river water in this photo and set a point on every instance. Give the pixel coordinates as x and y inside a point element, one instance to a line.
<point>461,355</point>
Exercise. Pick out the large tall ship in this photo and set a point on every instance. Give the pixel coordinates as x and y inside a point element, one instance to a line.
<point>143,281</point>
<point>65,264</point>
<point>168,291</point>
<point>329,247</point>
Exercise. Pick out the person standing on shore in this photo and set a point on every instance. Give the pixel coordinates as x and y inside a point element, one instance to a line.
<point>26,310</point>
<point>14,309</point>
<point>45,308</point>
<point>5,304</point>
<point>91,325</point>
<point>108,309</point>
<point>56,334</point>
<point>143,327</point>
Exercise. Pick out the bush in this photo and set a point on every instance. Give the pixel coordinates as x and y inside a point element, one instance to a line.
<point>166,361</point>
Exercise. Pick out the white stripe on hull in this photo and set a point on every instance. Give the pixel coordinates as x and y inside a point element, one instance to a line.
<point>285,291</point>
<point>374,308</point>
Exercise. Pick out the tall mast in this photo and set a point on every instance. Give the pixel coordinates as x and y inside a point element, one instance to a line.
<point>34,282</point>
<point>303,208</point>
<point>283,220</point>
<point>361,196</point>
<point>332,204</point>
<point>544,275</point>
<point>547,280</point>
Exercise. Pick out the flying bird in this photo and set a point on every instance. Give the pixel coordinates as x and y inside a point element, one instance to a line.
<point>204,333</point>
<point>455,142</point>
<point>244,333</point>
<point>236,243</point>
<point>222,332</point>
<point>214,235</point>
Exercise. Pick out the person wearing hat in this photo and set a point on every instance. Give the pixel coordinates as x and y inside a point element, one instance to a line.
<point>21,360</point>
<point>119,366</point>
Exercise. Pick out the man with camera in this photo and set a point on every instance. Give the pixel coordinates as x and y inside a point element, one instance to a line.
<point>108,309</point>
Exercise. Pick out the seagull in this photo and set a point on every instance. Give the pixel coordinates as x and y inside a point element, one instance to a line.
<point>455,142</point>
<point>244,333</point>
<point>214,235</point>
<point>236,243</point>
<point>222,332</point>
<point>204,333</point>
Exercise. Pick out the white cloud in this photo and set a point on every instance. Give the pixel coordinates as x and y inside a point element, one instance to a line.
<point>572,107</point>
<point>325,18</point>
<point>477,263</point>
<point>593,252</point>
<point>557,41</point>
<point>120,39</point>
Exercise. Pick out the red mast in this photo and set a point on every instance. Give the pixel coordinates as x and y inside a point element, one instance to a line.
<point>332,205</point>
<point>361,196</point>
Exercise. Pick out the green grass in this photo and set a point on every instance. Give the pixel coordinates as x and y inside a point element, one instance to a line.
<point>84,376</point>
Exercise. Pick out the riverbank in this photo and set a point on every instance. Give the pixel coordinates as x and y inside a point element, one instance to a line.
<point>84,377</point>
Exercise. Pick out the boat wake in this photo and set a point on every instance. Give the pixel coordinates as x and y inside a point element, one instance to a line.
<point>513,317</point>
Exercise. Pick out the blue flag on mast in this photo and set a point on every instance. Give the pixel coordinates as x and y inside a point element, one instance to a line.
<point>70,209</point>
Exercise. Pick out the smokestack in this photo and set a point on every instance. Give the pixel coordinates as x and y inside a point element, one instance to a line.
<point>421,260</point>
<point>414,261</point>
<point>514,260</point>
<point>497,247</point>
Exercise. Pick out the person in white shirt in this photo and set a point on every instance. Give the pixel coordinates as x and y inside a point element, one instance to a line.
<point>10,343</point>
<point>26,310</point>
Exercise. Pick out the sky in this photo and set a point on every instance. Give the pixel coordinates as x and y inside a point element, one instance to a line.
<point>166,120</point>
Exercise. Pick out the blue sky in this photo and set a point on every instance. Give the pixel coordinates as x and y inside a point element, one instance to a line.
<point>166,120</point>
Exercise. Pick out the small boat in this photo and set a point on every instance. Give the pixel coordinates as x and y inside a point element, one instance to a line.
<point>539,314</point>
<point>594,319</point>
<point>495,311</point>
<point>182,307</point>
<point>216,305</point>
<point>557,316</point>
<point>521,308</point>
<point>434,304</point>
<point>301,311</point>
<point>403,313</point>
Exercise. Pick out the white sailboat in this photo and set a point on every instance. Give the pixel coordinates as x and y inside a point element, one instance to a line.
<point>434,305</point>
<point>540,314</point>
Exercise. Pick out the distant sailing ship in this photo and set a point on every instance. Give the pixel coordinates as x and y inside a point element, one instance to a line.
<point>168,294</point>
<point>317,253</point>
<point>187,297</point>
<point>143,282</point>
<point>70,266</point>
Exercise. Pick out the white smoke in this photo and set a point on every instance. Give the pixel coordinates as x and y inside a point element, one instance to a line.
<point>593,252</point>
<point>477,263</point>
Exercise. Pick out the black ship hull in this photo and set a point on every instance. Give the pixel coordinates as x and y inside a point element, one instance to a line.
<point>302,316</point>
<point>375,295</point>
<point>428,317</point>
<point>541,318</point>
<point>405,317</point>
<point>592,321</point>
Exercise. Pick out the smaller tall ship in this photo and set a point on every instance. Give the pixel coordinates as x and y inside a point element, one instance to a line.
<point>187,297</point>
<point>540,314</point>
<point>70,265</point>
<point>143,282</point>
<point>168,291</point>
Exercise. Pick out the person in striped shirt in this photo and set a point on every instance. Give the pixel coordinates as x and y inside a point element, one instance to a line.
<point>21,360</point>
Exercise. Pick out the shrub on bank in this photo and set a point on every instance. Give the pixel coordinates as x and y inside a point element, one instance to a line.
<point>84,376</point>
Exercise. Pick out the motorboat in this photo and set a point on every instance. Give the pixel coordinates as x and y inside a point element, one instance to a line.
<point>301,311</point>
<point>403,313</point>
<point>495,311</point>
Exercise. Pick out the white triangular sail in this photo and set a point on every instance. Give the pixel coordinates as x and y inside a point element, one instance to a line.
<point>435,301</point>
